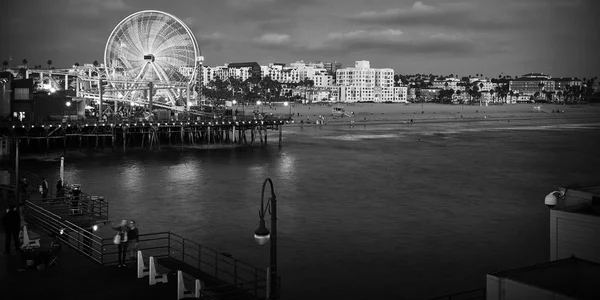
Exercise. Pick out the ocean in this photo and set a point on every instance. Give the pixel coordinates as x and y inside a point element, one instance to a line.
<point>365,212</point>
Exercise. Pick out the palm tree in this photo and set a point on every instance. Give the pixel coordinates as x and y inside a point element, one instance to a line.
<point>49,62</point>
<point>492,95</point>
<point>96,63</point>
<point>5,64</point>
<point>77,64</point>
<point>511,93</point>
<point>480,88</point>
<point>25,62</point>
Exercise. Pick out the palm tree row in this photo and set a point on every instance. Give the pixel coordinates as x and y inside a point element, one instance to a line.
<point>251,89</point>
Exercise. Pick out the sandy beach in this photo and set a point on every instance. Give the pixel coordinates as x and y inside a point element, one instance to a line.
<point>393,113</point>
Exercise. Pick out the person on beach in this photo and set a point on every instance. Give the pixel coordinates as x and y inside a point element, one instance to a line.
<point>121,241</point>
<point>44,188</point>
<point>12,225</point>
<point>134,238</point>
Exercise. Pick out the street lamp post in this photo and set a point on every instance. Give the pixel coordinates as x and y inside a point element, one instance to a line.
<point>262,236</point>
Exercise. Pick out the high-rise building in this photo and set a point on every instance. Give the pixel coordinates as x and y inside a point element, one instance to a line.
<point>363,83</point>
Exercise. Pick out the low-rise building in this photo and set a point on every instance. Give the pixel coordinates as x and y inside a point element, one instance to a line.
<point>529,84</point>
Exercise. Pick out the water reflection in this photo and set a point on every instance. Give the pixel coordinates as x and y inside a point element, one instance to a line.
<point>131,176</point>
<point>188,171</point>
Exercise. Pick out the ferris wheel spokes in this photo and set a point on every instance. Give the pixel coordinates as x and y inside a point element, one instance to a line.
<point>164,79</point>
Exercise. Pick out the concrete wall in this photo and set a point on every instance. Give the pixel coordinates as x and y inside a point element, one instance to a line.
<point>574,234</point>
<point>498,288</point>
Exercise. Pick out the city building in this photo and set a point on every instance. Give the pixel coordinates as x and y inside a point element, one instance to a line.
<point>528,84</point>
<point>363,83</point>
<point>574,266</point>
<point>6,79</point>
<point>448,83</point>
<point>561,83</point>
<point>22,99</point>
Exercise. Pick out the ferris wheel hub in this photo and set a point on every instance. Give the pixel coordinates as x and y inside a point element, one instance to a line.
<point>149,57</point>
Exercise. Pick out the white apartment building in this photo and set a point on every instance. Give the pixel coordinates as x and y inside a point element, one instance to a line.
<point>363,83</point>
<point>484,85</point>
<point>453,83</point>
<point>297,72</point>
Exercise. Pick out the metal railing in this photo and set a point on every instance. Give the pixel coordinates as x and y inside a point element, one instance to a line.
<point>91,206</point>
<point>239,275</point>
<point>476,294</point>
<point>80,239</point>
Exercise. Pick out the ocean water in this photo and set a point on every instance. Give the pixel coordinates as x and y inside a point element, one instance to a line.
<point>365,212</point>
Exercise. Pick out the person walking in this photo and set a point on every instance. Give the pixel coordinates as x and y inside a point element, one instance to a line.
<point>133,235</point>
<point>12,225</point>
<point>44,188</point>
<point>121,241</point>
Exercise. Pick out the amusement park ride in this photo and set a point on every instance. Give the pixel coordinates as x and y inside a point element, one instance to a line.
<point>151,60</point>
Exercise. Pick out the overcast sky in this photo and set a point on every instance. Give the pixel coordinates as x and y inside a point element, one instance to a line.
<point>560,37</point>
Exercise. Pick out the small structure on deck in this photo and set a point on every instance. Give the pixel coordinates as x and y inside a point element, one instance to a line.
<point>574,266</point>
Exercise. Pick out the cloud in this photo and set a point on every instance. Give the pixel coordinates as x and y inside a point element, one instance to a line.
<point>389,41</point>
<point>395,41</point>
<point>94,7</point>
<point>265,10</point>
<point>273,39</point>
<point>455,15</point>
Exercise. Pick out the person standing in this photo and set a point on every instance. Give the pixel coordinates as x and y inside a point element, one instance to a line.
<point>59,188</point>
<point>23,187</point>
<point>121,242</point>
<point>133,235</point>
<point>44,188</point>
<point>12,225</point>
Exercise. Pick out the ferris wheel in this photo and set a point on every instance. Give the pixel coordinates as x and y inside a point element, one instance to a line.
<point>152,46</point>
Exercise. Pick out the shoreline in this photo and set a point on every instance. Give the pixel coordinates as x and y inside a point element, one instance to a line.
<point>442,120</point>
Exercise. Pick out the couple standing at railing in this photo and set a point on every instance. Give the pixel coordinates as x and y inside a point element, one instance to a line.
<point>127,237</point>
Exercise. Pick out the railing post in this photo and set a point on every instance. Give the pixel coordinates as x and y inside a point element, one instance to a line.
<point>199,257</point>
<point>255,282</point>
<point>169,244</point>
<point>183,250</point>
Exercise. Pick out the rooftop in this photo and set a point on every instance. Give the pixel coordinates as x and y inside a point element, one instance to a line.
<point>572,277</point>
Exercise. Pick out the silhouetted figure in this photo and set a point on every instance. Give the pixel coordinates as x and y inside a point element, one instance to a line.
<point>12,225</point>
<point>59,188</point>
<point>44,188</point>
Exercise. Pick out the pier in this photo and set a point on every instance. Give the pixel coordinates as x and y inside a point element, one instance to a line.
<point>148,135</point>
<point>220,274</point>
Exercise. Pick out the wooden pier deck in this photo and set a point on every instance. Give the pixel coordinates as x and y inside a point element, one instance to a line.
<point>142,134</point>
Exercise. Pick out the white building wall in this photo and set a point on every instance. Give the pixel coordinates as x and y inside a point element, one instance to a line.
<point>363,83</point>
<point>572,234</point>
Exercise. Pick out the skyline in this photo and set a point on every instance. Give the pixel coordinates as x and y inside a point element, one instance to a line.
<point>515,37</point>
